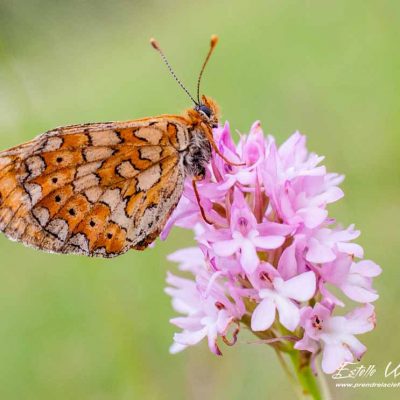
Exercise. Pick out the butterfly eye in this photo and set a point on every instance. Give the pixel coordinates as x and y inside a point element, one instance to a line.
<point>205,110</point>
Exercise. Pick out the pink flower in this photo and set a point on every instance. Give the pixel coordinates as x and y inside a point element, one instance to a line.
<point>335,334</point>
<point>271,246</point>
<point>190,259</point>
<point>277,294</point>
<point>299,189</point>
<point>323,244</point>
<point>353,278</point>
<point>208,313</point>
<point>251,149</point>
<point>245,236</point>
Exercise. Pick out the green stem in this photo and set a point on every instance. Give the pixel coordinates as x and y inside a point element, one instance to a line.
<point>310,388</point>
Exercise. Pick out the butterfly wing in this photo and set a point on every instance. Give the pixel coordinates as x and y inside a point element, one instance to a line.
<point>93,189</point>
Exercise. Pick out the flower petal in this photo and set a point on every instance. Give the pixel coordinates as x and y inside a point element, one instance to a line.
<point>366,268</point>
<point>319,253</point>
<point>312,216</point>
<point>190,338</point>
<point>190,258</point>
<point>268,242</point>
<point>263,316</point>
<point>351,248</point>
<point>176,348</point>
<point>300,287</point>
<point>289,314</point>
<point>226,248</point>
<point>361,319</point>
<point>249,258</point>
<point>287,265</point>
<point>337,272</point>
<point>306,343</point>
<point>212,341</point>
<point>360,294</point>
<point>355,345</point>
<point>333,356</point>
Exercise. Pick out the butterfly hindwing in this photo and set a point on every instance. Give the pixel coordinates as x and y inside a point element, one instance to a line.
<point>93,189</point>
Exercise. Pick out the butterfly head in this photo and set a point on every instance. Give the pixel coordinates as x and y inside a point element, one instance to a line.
<point>208,111</point>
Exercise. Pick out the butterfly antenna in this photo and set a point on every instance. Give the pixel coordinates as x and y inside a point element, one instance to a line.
<point>213,43</point>
<point>156,46</point>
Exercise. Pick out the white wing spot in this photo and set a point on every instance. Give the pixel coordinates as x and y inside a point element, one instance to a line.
<point>81,241</point>
<point>97,153</point>
<point>87,169</point>
<point>151,153</point>
<point>53,143</point>
<point>149,177</point>
<point>111,197</point>
<point>101,251</point>
<point>93,194</point>
<point>42,215</point>
<point>35,165</point>
<point>34,191</point>
<point>119,217</point>
<point>150,134</point>
<point>104,138</point>
<point>127,170</point>
<point>58,227</point>
<point>86,182</point>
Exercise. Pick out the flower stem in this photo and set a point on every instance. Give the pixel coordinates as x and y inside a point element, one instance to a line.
<point>310,389</point>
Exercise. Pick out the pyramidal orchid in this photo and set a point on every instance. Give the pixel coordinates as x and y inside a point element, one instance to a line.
<point>270,257</point>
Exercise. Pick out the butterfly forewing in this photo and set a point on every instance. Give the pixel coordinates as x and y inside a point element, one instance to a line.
<point>94,189</point>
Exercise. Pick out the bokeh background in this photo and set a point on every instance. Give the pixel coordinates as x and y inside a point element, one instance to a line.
<point>72,327</point>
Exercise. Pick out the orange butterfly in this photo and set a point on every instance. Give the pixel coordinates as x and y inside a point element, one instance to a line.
<point>100,189</point>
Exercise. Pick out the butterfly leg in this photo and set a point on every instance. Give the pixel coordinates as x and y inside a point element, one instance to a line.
<point>196,193</point>
<point>210,137</point>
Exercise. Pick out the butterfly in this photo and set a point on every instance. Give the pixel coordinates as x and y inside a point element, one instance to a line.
<point>100,189</point>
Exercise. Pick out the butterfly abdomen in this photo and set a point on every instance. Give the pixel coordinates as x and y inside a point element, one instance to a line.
<point>198,154</point>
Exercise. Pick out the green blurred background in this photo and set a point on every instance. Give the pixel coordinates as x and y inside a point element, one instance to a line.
<point>78,328</point>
